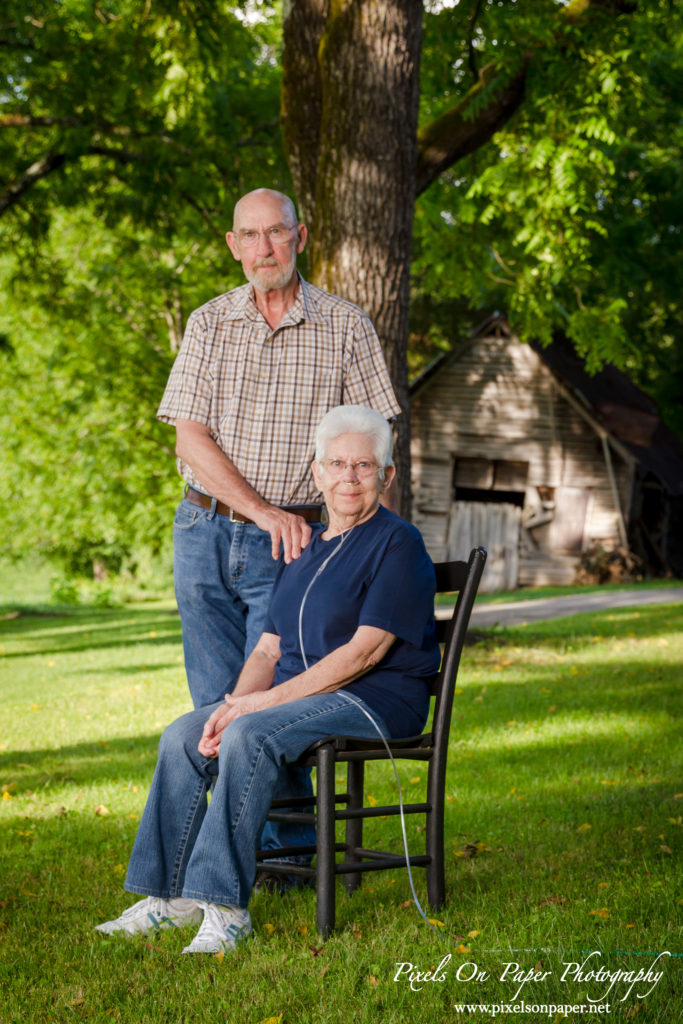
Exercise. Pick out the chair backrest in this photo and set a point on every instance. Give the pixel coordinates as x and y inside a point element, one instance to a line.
<point>463,578</point>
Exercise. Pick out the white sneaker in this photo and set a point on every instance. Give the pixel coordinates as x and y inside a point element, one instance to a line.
<point>221,929</point>
<point>152,914</point>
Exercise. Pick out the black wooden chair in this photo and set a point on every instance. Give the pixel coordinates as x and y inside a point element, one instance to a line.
<point>328,807</point>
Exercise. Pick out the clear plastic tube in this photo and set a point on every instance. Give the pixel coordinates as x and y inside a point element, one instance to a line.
<point>380,733</point>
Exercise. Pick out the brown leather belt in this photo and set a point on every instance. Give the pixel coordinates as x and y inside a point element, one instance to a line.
<point>311,513</point>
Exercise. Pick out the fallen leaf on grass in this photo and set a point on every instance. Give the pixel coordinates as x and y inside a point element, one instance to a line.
<point>272,1020</point>
<point>269,928</point>
<point>373,981</point>
<point>471,850</point>
<point>78,999</point>
<point>664,848</point>
<point>405,904</point>
<point>220,956</point>
<point>603,912</point>
<point>584,827</point>
<point>461,949</point>
<point>473,934</point>
<point>316,950</point>
<point>101,811</point>
<point>433,920</point>
<point>553,899</point>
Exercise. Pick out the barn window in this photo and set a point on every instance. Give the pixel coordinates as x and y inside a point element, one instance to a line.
<point>490,480</point>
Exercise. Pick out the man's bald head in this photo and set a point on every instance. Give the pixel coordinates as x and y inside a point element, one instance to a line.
<point>270,195</point>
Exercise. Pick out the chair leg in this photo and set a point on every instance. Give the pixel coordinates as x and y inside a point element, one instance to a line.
<point>325,854</point>
<point>354,826</point>
<point>436,881</point>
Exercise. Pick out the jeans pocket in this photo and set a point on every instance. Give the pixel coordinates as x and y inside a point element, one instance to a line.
<point>187,515</point>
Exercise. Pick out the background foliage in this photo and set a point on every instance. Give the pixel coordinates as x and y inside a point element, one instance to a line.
<point>127,131</point>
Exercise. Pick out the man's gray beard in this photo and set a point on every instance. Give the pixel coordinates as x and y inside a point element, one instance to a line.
<point>275,283</point>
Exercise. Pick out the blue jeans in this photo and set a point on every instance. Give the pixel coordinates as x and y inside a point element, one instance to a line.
<point>183,847</point>
<point>223,574</point>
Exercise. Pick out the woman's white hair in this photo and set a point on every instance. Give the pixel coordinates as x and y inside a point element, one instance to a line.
<point>356,419</point>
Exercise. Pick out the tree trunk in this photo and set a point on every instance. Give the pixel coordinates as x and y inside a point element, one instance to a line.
<point>350,99</point>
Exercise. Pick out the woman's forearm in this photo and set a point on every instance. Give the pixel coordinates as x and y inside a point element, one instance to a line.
<point>350,661</point>
<point>259,668</point>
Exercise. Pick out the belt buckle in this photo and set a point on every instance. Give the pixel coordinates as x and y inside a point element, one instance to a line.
<point>231,517</point>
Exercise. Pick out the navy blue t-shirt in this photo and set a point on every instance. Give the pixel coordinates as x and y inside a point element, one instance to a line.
<point>381,576</point>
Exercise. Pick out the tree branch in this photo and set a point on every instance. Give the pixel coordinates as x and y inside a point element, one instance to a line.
<point>29,121</point>
<point>470,40</point>
<point>39,169</point>
<point>452,136</point>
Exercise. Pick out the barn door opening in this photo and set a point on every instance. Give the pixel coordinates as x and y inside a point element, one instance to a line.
<point>488,495</point>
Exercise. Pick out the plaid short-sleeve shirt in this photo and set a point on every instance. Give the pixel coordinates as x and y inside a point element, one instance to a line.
<point>262,393</point>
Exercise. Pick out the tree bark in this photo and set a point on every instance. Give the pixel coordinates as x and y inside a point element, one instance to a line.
<point>355,69</point>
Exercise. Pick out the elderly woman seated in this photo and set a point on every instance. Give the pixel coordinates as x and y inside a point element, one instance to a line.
<point>350,629</point>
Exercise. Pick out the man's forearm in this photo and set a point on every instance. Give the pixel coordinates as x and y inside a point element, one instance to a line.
<point>216,471</point>
<point>222,480</point>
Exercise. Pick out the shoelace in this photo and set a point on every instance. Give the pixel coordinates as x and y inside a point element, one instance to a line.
<point>212,926</point>
<point>217,923</point>
<point>154,906</point>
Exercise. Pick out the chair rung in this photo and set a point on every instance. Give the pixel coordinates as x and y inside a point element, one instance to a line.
<point>381,812</point>
<point>348,867</point>
<point>400,754</point>
<point>306,801</point>
<point>287,851</point>
<point>300,817</point>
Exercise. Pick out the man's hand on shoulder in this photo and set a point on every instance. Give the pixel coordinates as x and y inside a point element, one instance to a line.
<point>284,527</point>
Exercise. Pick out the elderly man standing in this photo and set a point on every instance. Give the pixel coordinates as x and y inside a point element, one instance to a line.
<point>258,369</point>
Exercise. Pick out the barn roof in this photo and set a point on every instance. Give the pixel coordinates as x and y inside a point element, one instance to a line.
<point>609,396</point>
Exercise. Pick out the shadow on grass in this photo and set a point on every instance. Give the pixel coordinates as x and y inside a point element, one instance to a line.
<point>81,764</point>
<point>92,630</point>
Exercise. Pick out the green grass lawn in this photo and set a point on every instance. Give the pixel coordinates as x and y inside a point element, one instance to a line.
<point>564,812</point>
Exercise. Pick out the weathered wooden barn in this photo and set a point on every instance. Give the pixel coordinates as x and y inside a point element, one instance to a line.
<point>515,447</point>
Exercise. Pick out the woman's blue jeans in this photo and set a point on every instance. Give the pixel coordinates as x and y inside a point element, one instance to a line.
<point>186,848</point>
